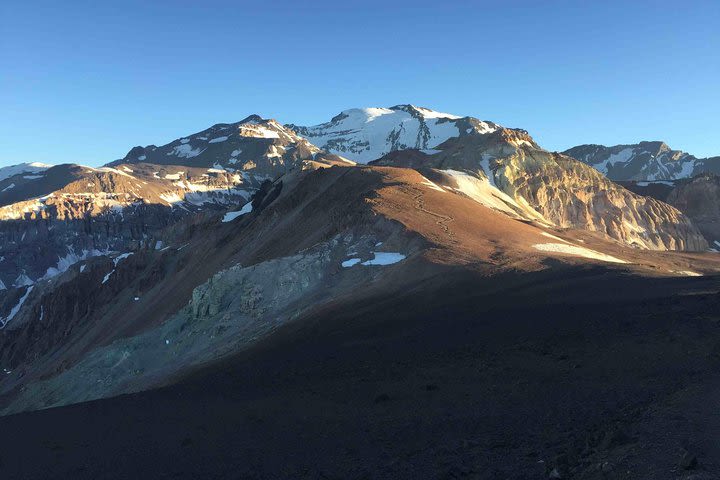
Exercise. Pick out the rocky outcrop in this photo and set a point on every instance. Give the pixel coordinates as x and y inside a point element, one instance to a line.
<point>699,199</point>
<point>564,191</point>
<point>574,196</point>
<point>232,310</point>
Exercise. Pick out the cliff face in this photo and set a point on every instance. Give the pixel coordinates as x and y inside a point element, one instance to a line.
<point>699,199</point>
<point>566,192</point>
<point>573,196</point>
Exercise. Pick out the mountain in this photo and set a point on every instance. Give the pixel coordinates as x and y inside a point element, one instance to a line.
<point>220,283</point>
<point>26,170</point>
<point>366,134</point>
<point>259,147</point>
<point>52,214</point>
<point>53,217</point>
<point>699,199</point>
<point>557,189</point>
<point>374,290</point>
<point>644,161</point>
<point>67,213</point>
<point>244,282</point>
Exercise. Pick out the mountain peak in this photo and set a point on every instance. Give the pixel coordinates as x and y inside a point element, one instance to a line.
<point>423,112</point>
<point>367,134</point>
<point>251,119</point>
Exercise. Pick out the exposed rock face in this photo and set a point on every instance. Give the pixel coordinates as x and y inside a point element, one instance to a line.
<point>256,146</point>
<point>70,212</point>
<point>573,196</point>
<point>699,199</point>
<point>562,190</point>
<point>52,217</point>
<point>644,161</point>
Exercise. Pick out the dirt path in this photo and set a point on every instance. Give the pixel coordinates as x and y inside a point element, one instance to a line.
<point>442,220</point>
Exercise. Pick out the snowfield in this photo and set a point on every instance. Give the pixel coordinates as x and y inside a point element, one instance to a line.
<point>29,168</point>
<point>569,249</point>
<point>361,134</point>
<point>379,258</point>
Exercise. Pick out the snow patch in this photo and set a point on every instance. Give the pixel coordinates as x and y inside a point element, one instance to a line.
<point>432,185</point>
<point>12,170</point>
<point>687,273</point>
<point>218,139</point>
<point>121,257</point>
<point>568,249</point>
<point>107,277</point>
<point>350,262</point>
<point>185,151</point>
<point>379,258</point>
<point>549,235</point>
<point>484,192</point>
<point>230,216</point>
<point>70,259</point>
<point>22,281</point>
<point>385,258</point>
<point>16,308</point>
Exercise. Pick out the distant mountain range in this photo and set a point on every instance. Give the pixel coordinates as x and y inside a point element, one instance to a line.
<point>644,161</point>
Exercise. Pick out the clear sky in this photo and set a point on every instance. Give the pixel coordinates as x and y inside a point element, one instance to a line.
<point>84,81</point>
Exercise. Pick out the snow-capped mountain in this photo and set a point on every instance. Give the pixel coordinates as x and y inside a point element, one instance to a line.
<point>366,134</point>
<point>256,146</point>
<point>28,169</point>
<point>123,278</point>
<point>49,214</point>
<point>644,161</point>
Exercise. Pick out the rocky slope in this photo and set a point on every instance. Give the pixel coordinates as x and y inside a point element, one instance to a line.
<point>699,199</point>
<point>165,248</point>
<point>558,189</point>
<point>644,161</point>
<point>165,265</point>
<point>70,212</point>
<point>53,216</point>
<point>259,147</point>
<point>134,321</point>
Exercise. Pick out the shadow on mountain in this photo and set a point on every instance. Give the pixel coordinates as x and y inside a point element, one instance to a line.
<point>582,372</point>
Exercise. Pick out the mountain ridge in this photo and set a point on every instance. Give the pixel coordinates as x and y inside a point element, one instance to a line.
<point>643,161</point>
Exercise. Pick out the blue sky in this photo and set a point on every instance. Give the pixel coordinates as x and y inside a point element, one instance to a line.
<point>84,81</point>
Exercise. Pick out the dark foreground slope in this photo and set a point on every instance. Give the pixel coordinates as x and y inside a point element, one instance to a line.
<point>592,372</point>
